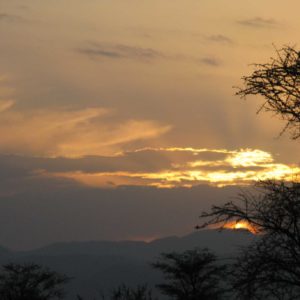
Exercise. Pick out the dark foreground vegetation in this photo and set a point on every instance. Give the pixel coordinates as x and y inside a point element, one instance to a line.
<point>267,269</point>
<point>190,275</point>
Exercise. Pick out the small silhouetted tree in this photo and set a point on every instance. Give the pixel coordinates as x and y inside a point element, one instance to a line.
<point>30,282</point>
<point>278,81</point>
<point>191,275</point>
<point>123,292</point>
<point>141,292</point>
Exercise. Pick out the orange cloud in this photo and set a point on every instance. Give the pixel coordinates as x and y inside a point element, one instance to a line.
<point>69,133</point>
<point>5,105</point>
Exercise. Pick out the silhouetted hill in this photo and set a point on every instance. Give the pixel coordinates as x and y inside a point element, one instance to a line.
<point>102,265</point>
<point>5,252</point>
<point>222,242</point>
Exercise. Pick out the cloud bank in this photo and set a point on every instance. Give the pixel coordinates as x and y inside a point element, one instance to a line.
<point>152,167</point>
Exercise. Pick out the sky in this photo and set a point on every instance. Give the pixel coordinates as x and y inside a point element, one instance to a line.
<point>119,120</point>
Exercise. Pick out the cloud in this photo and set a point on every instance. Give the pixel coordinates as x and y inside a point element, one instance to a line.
<point>238,167</point>
<point>11,18</point>
<point>24,7</point>
<point>158,167</point>
<point>70,133</point>
<point>6,93</point>
<point>219,38</point>
<point>47,212</point>
<point>120,51</point>
<point>210,61</point>
<point>258,22</point>
<point>5,105</point>
<point>118,197</point>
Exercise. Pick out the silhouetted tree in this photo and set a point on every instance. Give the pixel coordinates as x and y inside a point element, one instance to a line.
<point>271,265</point>
<point>279,83</point>
<point>123,292</point>
<point>30,282</point>
<point>191,275</point>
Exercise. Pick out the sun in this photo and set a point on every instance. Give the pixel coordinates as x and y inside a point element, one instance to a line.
<point>241,225</point>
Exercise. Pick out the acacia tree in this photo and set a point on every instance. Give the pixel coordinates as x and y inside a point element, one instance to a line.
<point>30,282</point>
<point>270,267</point>
<point>279,83</point>
<point>191,275</point>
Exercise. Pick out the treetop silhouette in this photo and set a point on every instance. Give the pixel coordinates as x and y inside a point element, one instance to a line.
<point>279,83</point>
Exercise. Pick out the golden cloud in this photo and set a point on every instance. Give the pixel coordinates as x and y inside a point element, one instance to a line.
<point>5,105</point>
<point>238,167</point>
<point>69,133</point>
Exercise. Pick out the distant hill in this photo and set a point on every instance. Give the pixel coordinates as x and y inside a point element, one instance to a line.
<point>4,251</point>
<point>222,242</point>
<point>102,265</point>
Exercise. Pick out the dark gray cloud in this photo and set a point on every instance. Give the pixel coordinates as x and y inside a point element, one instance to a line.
<point>120,51</point>
<point>147,160</point>
<point>133,162</point>
<point>36,210</point>
<point>11,18</point>
<point>210,61</point>
<point>47,212</point>
<point>220,38</point>
<point>258,22</point>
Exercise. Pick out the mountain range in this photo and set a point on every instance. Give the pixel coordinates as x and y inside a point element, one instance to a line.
<point>99,266</point>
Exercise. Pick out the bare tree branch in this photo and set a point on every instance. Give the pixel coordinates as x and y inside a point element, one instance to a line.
<point>279,83</point>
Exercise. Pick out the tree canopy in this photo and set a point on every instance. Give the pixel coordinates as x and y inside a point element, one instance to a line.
<point>278,81</point>
<point>270,267</point>
<point>30,282</point>
<point>191,275</point>
<point>124,292</point>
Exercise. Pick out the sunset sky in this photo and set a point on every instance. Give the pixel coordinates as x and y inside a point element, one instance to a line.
<point>118,118</point>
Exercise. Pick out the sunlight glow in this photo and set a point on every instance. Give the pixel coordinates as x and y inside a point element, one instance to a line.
<point>241,225</point>
<point>249,158</point>
<point>240,167</point>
